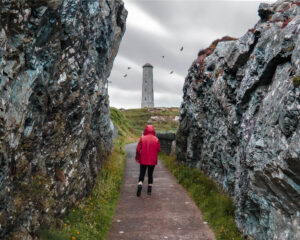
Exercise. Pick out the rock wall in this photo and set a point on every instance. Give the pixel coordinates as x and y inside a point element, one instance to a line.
<point>166,139</point>
<point>239,121</point>
<point>55,131</point>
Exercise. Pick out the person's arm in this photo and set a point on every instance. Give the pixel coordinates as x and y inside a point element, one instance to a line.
<point>138,151</point>
<point>158,146</point>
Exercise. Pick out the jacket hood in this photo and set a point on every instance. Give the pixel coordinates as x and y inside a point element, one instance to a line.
<point>149,129</point>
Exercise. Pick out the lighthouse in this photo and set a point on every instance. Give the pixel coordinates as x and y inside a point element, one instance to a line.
<point>147,88</point>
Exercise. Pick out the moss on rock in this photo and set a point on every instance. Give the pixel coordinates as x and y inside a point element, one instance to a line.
<point>296,81</point>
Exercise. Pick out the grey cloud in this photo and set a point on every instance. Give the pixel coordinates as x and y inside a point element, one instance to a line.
<point>124,98</point>
<point>227,17</point>
<point>193,24</point>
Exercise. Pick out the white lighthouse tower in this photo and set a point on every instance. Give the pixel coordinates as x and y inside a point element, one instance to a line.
<point>147,90</point>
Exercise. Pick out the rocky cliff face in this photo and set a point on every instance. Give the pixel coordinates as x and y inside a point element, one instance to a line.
<point>240,121</point>
<point>55,130</point>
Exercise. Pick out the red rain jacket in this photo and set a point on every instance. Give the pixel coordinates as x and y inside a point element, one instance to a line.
<point>148,147</point>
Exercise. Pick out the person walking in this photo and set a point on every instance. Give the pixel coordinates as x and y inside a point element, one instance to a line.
<point>146,156</point>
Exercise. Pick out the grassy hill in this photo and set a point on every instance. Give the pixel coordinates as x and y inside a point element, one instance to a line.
<point>163,119</point>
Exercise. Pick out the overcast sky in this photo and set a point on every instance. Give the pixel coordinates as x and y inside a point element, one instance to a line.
<point>157,28</point>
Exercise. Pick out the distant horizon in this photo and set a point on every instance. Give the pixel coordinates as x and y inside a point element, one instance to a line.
<point>141,107</point>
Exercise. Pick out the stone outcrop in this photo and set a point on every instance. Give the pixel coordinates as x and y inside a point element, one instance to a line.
<point>166,140</point>
<point>240,121</point>
<point>55,130</point>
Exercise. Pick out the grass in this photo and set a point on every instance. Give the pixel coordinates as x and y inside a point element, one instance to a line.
<point>126,131</point>
<point>217,208</point>
<point>139,118</point>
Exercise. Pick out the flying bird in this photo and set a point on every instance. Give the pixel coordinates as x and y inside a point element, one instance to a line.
<point>163,56</point>
<point>181,48</point>
<point>129,68</point>
<point>125,75</point>
<point>171,72</point>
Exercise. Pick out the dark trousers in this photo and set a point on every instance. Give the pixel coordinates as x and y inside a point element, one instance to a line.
<point>143,169</point>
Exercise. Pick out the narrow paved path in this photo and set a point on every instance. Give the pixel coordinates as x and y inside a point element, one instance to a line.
<point>168,213</point>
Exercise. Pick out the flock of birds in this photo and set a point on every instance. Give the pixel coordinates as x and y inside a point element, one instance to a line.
<point>128,68</point>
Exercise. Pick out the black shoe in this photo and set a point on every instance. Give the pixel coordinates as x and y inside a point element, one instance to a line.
<point>149,190</point>
<point>139,190</point>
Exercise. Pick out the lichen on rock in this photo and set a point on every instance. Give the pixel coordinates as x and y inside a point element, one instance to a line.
<point>240,122</point>
<point>55,58</point>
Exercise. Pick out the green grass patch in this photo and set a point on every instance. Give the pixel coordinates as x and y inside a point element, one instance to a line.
<point>139,118</point>
<point>93,217</point>
<point>217,208</point>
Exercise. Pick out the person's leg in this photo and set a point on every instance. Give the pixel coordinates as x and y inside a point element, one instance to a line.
<point>142,173</point>
<point>141,179</point>
<point>150,178</point>
<point>150,174</point>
